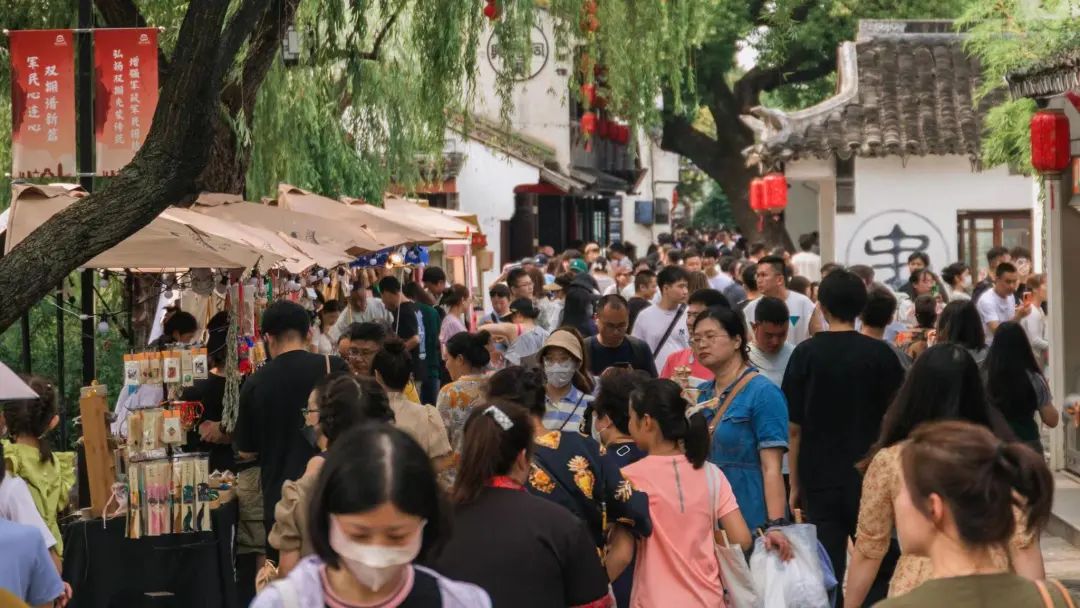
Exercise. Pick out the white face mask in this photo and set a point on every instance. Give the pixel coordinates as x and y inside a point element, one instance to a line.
<point>596,430</point>
<point>373,566</point>
<point>560,374</point>
<point>967,280</point>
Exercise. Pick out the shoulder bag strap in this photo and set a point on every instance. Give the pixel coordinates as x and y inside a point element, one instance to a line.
<point>670,328</point>
<point>327,364</point>
<point>1064,592</point>
<point>733,392</point>
<point>576,407</point>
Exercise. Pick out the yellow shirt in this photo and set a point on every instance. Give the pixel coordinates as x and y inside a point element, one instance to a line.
<point>49,482</point>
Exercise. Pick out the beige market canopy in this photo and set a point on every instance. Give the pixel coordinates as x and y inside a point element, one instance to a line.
<point>296,257</point>
<point>164,244</point>
<point>323,231</point>
<point>387,226</point>
<point>427,218</point>
<point>300,227</point>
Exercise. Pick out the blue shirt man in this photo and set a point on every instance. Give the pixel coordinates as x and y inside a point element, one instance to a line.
<point>26,570</point>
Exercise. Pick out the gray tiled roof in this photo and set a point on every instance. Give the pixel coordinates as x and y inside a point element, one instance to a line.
<point>1050,77</point>
<point>902,94</point>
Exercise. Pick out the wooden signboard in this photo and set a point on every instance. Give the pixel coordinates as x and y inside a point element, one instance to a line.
<point>100,465</point>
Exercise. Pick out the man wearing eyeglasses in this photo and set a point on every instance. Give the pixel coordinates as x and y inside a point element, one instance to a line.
<point>358,346</point>
<point>612,347</point>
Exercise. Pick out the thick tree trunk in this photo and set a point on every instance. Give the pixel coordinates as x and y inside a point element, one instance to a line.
<point>163,172</point>
<point>724,162</point>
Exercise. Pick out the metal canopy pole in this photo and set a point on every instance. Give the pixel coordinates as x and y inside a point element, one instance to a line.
<point>85,90</point>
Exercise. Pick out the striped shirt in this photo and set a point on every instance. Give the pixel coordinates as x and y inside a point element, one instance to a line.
<point>565,414</point>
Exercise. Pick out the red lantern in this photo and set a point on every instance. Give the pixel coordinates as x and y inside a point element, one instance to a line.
<point>775,193</point>
<point>757,195</point>
<point>590,24</point>
<point>604,129</point>
<point>491,11</point>
<point>590,7</point>
<point>1050,141</point>
<point>588,122</point>
<point>588,93</point>
<point>624,134</point>
<point>479,240</point>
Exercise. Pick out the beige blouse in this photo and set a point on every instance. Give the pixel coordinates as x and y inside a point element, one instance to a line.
<point>423,423</point>
<point>881,486</point>
<point>290,531</point>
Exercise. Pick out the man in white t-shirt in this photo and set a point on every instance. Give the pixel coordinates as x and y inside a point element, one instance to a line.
<point>770,350</point>
<point>998,304</point>
<point>663,326</point>
<point>771,281</point>
<point>807,263</point>
<point>718,279</point>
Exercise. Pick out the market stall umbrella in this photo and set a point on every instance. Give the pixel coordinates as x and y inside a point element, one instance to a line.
<point>387,226</point>
<point>295,258</point>
<point>325,232</point>
<point>164,244</point>
<point>12,388</point>
<point>425,217</point>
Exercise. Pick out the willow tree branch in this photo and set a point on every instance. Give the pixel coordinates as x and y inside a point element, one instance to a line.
<point>797,69</point>
<point>373,54</point>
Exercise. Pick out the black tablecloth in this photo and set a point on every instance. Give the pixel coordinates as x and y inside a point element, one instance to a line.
<point>107,570</point>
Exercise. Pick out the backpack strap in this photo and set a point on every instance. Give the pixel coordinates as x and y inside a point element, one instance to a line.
<point>1064,592</point>
<point>667,334</point>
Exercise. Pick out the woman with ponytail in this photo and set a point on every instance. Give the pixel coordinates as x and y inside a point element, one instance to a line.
<point>466,356</point>
<point>523,550</point>
<point>677,566</point>
<point>567,467</point>
<point>960,489</point>
<point>49,475</point>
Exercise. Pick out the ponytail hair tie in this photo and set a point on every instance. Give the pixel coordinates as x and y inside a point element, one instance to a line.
<point>500,417</point>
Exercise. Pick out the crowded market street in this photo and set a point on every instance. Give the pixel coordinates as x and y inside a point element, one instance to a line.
<point>539,304</point>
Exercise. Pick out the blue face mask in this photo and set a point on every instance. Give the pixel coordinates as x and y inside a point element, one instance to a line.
<point>501,347</point>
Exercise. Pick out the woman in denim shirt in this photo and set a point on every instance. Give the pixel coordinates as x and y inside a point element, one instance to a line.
<point>750,437</point>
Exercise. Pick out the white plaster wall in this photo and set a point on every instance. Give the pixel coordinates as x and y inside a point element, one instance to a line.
<point>486,187</point>
<point>541,104</point>
<point>661,177</point>
<point>801,216</point>
<point>922,199</point>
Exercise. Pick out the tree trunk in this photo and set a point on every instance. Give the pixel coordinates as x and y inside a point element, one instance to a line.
<point>724,163</point>
<point>162,173</point>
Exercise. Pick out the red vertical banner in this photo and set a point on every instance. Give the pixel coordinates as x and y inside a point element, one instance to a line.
<point>126,93</point>
<point>42,103</point>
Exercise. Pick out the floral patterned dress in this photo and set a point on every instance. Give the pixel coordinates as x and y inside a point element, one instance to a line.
<point>567,469</point>
<point>456,401</point>
<point>881,486</point>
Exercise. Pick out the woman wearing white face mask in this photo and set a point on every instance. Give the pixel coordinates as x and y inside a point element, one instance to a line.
<point>376,509</point>
<point>569,386</point>
<point>957,277</point>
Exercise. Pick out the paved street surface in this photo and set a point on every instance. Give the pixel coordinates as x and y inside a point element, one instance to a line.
<point>1062,561</point>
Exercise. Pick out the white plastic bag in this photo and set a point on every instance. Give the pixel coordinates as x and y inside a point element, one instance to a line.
<point>798,583</point>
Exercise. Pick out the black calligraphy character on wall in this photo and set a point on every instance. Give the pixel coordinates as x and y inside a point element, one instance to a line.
<point>896,245</point>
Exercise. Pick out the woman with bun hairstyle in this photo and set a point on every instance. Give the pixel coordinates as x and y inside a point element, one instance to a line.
<point>525,551</point>
<point>376,509</point>
<point>392,367</point>
<point>456,303</point>
<point>339,402</point>
<point>943,384</point>
<point>466,357</point>
<point>567,467</point>
<point>677,566</point>
<point>959,493</point>
<point>48,474</point>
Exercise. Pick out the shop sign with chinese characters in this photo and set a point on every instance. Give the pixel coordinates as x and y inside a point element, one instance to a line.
<point>42,103</point>
<point>126,74</point>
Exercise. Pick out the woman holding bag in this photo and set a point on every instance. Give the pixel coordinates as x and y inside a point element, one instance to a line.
<point>677,565</point>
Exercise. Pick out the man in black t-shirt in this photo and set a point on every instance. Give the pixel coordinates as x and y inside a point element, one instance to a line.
<point>612,346</point>
<point>408,325</point>
<point>270,419</point>
<point>838,385</point>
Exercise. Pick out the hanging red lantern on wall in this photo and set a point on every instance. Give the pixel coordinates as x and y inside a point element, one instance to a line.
<point>491,10</point>
<point>604,128</point>
<point>588,122</point>
<point>775,193</point>
<point>1050,141</point>
<point>757,195</point>
<point>588,93</point>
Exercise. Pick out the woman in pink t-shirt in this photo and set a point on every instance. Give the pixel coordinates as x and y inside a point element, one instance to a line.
<point>677,566</point>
